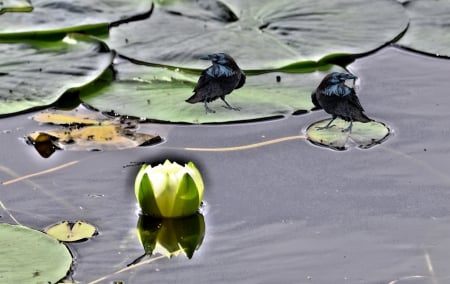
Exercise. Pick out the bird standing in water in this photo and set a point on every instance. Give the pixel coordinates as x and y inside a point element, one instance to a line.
<point>217,81</point>
<point>339,100</point>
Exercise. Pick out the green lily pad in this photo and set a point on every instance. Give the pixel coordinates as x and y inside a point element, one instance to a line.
<point>159,94</point>
<point>64,16</point>
<point>15,6</point>
<point>429,27</point>
<point>30,256</point>
<point>36,75</point>
<point>364,135</point>
<point>259,34</point>
<point>71,232</point>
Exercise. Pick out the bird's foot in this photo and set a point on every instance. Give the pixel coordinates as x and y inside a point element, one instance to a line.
<point>208,110</point>
<point>347,129</point>
<point>232,108</point>
<point>325,127</point>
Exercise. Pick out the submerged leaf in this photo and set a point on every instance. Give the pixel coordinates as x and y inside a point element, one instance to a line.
<point>429,27</point>
<point>30,256</point>
<point>36,76</point>
<point>259,34</point>
<point>159,94</point>
<point>364,135</point>
<point>71,232</point>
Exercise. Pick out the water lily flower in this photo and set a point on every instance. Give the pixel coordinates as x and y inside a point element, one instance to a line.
<point>169,190</point>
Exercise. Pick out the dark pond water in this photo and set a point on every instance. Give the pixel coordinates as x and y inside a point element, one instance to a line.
<point>289,212</point>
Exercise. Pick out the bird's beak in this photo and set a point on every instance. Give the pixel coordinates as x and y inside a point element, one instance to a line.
<point>206,57</point>
<point>350,76</point>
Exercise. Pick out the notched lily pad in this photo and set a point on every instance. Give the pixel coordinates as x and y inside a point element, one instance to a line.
<point>37,74</point>
<point>429,27</point>
<point>30,256</point>
<point>159,94</point>
<point>288,30</point>
<point>86,135</point>
<point>364,135</point>
<point>71,231</point>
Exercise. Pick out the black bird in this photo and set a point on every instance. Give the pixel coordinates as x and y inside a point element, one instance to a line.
<point>217,81</point>
<point>339,100</point>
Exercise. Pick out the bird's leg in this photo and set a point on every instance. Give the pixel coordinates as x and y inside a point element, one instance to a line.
<point>207,109</point>
<point>328,124</point>
<point>349,128</point>
<point>228,106</point>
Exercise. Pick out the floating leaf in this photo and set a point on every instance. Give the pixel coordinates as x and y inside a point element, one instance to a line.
<point>259,34</point>
<point>160,94</point>
<point>365,135</point>
<point>90,130</point>
<point>30,256</point>
<point>36,76</point>
<point>429,27</point>
<point>15,6</point>
<point>78,116</point>
<point>71,232</point>
<point>64,16</point>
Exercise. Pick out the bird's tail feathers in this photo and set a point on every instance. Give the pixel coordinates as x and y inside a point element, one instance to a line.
<point>194,99</point>
<point>361,117</point>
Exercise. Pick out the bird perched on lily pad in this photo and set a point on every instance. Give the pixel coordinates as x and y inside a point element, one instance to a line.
<point>217,81</point>
<point>339,100</point>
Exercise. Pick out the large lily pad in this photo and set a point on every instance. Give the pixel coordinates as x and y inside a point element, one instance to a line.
<point>159,94</point>
<point>62,16</point>
<point>364,135</point>
<point>260,34</point>
<point>36,75</point>
<point>30,256</point>
<point>429,27</point>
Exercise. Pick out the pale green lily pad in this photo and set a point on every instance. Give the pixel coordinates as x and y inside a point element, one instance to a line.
<point>63,16</point>
<point>15,6</point>
<point>30,256</point>
<point>259,34</point>
<point>159,94</point>
<point>364,135</point>
<point>429,27</point>
<point>71,231</point>
<point>36,75</point>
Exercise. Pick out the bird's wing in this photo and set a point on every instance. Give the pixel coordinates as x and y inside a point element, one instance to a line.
<point>241,81</point>
<point>202,81</point>
<point>354,100</point>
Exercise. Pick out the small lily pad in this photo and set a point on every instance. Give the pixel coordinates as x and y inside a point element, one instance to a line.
<point>364,135</point>
<point>71,232</point>
<point>30,256</point>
